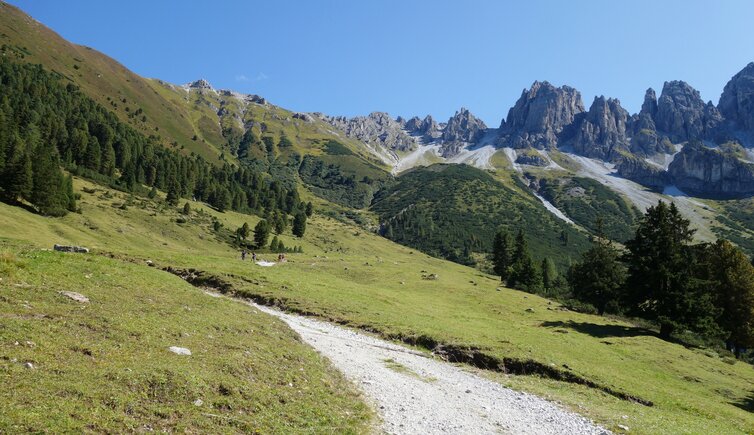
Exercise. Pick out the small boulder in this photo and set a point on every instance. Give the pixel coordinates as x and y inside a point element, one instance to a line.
<point>78,297</point>
<point>66,248</point>
<point>179,350</point>
<point>29,365</point>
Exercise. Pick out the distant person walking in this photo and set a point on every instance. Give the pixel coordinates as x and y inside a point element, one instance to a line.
<point>253,256</point>
<point>243,255</point>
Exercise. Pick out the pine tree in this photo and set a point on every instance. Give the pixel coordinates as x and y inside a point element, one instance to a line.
<point>549,274</point>
<point>309,209</point>
<point>174,192</point>
<point>524,274</point>
<point>93,154</point>
<point>275,244</point>
<point>70,195</point>
<point>732,276</point>
<point>299,224</point>
<point>244,231</point>
<point>501,256</point>
<point>661,280</point>
<point>152,193</point>
<point>599,277</point>
<point>48,185</point>
<point>17,178</point>
<point>187,209</point>
<point>261,233</point>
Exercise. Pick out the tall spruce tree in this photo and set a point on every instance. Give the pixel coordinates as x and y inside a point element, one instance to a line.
<point>501,254</point>
<point>549,275</point>
<point>261,233</point>
<point>17,179</point>
<point>599,277</point>
<point>732,276</point>
<point>524,274</point>
<point>661,284</point>
<point>48,191</point>
<point>299,224</point>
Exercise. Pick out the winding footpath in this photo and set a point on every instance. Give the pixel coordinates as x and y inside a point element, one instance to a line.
<point>417,394</point>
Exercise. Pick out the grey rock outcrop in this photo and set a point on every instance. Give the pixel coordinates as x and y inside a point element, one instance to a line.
<point>540,116</point>
<point>704,171</point>
<point>200,84</point>
<point>426,128</point>
<point>682,115</point>
<point>737,100</point>
<point>462,129</point>
<point>602,133</point>
<point>376,129</point>
<point>642,172</point>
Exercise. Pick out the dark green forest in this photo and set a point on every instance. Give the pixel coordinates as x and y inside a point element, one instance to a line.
<point>453,211</point>
<point>47,124</point>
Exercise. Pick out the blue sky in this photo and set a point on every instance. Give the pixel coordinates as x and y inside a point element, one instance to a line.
<point>416,57</point>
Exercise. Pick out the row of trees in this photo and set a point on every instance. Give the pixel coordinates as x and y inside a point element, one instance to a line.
<point>516,268</point>
<point>46,124</point>
<point>707,288</point>
<point>264,228</point>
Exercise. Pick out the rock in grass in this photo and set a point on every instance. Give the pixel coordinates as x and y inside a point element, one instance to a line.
<point>179,350</point>
<point>65,248</point>
<point>78,297</point>
<point>29,365</point>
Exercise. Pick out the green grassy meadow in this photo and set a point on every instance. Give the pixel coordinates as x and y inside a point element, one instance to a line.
<point>352,276</point>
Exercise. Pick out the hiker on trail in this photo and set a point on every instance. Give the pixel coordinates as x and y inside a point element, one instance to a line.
<point>253,256</point>
<point>243,255</point>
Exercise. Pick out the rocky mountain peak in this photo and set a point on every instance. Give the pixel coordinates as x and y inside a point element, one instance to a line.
<point>540,115</point>
<point>682,114</point>
<point>200,84</point>
<point>601,132</point>
<point>649,106</point>
<point>737,100</point>
<point>463,125</point>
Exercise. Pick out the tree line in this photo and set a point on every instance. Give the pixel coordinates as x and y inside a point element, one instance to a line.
<point>46,125</point>
<point>660,275</point>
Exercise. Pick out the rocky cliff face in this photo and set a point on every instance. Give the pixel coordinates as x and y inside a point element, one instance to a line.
<point>682,115</point>
<point>709,172</point>
<point>376,129</point>
<point>643,172</point>
<point>379,129</point>
<point>737,100</point>
<point>462,129</point>
<point>540,115</point>
<point>601,133</point>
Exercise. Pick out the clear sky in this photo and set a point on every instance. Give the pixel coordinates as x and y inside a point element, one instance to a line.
<point>416,57</point>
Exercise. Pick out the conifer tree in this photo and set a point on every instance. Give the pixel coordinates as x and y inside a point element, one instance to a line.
<point>662,285</point>
<point>17,177</point>
<point>501,256</point>
<point>48,186</point>
<point>243,231</point>
<point>187,210</point>
<point>70,195</point>
<point>732,276</point>
<point>299,224</point>
<point>275,244</point>
<point>524,274</point>
<point>549,274</point>
<point>309,209</point>
<point>598,278</point>
<point>261,233</point>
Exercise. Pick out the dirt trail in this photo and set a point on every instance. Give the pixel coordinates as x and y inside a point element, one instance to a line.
<point>417,394</point>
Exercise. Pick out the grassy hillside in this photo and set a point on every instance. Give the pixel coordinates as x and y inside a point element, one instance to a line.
<point>443,209</point>
<point>585,201</point>
<point>351,276</point>
<point>104,366</point>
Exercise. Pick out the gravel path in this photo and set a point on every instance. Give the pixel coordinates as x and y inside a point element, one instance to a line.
<point>416,394</point>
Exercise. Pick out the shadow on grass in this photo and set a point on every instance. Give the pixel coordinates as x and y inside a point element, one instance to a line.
<point>747,403</point>
<point>601,331</point>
